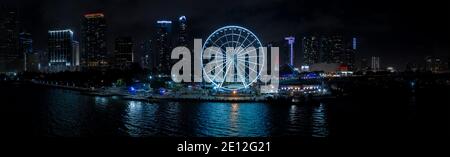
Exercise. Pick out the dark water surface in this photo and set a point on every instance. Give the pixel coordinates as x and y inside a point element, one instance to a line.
<point>29,110</point>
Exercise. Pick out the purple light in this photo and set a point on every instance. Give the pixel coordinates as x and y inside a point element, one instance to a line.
<point>291,41</point>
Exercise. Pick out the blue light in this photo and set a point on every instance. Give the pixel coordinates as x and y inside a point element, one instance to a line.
<point>132,89</point>
<point>182,18</point>
<point>162,91</point>
<point>164,22</point>
<point>354,43</point>
<point>312,75</point>
<point>60,31</point>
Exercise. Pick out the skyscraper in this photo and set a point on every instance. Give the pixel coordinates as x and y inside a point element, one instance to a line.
<point>375,64</point>
<point>163,47</point>
<point>434,64</point>
<point>9,55</point>
<point>25,48</point>
<point>123,52</point>
<point>76,53</point>
<point>333,49</point>
<point>448,63</point>
<point>60,50</point>
<point>311,50</point>
<point>182,31</point>
<point>146,54</point>
<point>94,40</point>
<point>364,65</point>
<point>329,49</point>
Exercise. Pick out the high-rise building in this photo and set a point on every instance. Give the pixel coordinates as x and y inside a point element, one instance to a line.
<point>123,52</point>
<point>434,64</point>
<point>182,31</point>
<point>32,61</point>
<point>76,53</point>
<point>146,55</point>
<point>163,47</point>
<point>42,59</point>
<point>329,49</point>
<point>311,50</point>
<point>375,64</point>
<point>9,55</point>
<point>364,65</point>
<point>60,50</point>
<point>348,58</point>
<point>448,63</point>
<point>25,48</point>
<point>94,53</point>
<point>333,49</point>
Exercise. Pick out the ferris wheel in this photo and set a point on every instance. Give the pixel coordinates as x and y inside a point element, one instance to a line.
<point>236,60</point>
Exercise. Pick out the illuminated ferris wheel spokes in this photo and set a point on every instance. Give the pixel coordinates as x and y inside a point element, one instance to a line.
<point>237,60</point>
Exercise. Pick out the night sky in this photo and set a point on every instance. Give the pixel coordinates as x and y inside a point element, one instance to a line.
<point>398,32</point>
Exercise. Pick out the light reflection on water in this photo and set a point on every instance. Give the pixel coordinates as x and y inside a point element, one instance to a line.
<point>319,122</point>
<point>74,114</point>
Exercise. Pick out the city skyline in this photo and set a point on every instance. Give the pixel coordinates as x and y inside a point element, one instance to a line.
<point>392,35</point>
<point>213,77</point>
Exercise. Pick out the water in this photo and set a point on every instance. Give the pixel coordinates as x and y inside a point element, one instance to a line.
<point>59,112</point>
<point>29,110</point>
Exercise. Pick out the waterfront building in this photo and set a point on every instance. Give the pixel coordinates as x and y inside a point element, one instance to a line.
<point>375,64</point>
<point>145,54</point>
<point>182,31</point>
<point>94,51</point>
<point>123,52</point>
<point>163,47</point>
<point>311,50</point>
<point>25,48</point>
<point>329,49</point>
<point>76,53</point>
<point>60,50</point>
<point>364,65</point>
<point>9,55</point>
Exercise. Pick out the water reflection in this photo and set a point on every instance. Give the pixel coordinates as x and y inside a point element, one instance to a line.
<point>133,120</point>
<point>74,114</point>
<point>319,121</point>
<point>234,118</point>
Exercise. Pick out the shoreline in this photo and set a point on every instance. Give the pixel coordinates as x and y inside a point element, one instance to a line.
<point>147,97</point>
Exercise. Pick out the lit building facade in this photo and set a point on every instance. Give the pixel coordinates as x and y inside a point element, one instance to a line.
<point>182,31</point>
<point>163,47</point>
<point>9,55</point>
<point>375,64</point>
<point>94,53</point>
<point>311,50</point>
<point>123,52</point>
<point>434,64</point>
<point>329,49</point>
<point>76,56</point>
<point>26,49</point>
<point>60,50</point>
<point>145,48</point>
